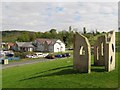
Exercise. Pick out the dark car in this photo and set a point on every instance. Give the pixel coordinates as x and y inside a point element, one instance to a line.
<point>58,56</point>
<point>63,55</point>
<point>10,55</point>
<point>50,57</point>
<point>67,54</point>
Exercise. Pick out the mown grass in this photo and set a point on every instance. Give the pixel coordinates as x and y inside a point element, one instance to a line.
<point>58,74</point>
<point>26,59</point>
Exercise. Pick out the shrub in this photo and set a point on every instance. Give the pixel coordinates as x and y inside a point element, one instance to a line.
<point>22,54</point>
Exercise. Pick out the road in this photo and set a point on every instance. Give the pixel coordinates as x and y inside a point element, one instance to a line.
<point>20,63</point>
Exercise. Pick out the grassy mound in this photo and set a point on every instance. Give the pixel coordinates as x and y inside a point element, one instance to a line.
<point>58,74</point>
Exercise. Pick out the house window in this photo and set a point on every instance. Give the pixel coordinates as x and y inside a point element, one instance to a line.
<point>61,47</point>
<point>58,49</point>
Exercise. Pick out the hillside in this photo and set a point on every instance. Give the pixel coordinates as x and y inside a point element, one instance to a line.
<point>12,36</point>
<point>65,36</point>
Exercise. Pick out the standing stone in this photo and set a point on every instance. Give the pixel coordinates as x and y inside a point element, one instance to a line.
<point>99,51</point>
<point>82,54</point>
<point>110,51</point>
<point>104,51</point>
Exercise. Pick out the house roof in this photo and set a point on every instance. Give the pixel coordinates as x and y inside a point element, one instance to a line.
<point>24,44</point>
<point>48,41</point>
<point>11,44</point>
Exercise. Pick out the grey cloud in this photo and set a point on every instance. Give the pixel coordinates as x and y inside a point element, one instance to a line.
<point>44,15</point>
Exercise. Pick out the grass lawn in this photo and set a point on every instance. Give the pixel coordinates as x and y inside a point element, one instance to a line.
<point>26,59</point>
<point>58,74</point>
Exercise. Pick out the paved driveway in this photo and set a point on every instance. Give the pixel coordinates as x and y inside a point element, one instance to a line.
<point>20,63</point>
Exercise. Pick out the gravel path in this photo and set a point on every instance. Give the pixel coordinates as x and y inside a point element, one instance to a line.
<point>20,63</point>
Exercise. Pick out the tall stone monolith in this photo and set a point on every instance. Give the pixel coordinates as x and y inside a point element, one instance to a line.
<point>81,54</point>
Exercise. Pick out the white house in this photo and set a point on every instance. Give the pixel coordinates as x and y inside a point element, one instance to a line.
<point>59,46</point>
<point>49,45</point>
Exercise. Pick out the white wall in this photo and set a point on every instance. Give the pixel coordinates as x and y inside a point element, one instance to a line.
<point>63,47</point>
<point>56,47</point>
<point>30,49</point>
<point>59,47</point>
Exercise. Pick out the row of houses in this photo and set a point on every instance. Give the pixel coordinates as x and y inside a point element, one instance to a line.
<point>40,44</point>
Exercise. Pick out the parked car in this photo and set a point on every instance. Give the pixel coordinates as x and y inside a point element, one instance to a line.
<point>67,54</point>
<point>8,52</point>
<point>28,56</point>
<point>70,49</point>
<point>39,54</point>
<point>31,56</point>
<point>45,54</point>
<point>2,56</point>
<point>50,57</point>
<point>58,55</point>
<point>13,58</point>
<point>9,55</point>
<point>63,55</point>
<point>35,56</point>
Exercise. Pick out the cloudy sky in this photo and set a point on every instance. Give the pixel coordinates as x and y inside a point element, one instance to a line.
<point>42,16</point>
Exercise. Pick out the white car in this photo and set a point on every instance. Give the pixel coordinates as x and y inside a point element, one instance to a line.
<point>35,56</point>
<point>39,54</point>
<point>29,56</point>
<point>44,55</point>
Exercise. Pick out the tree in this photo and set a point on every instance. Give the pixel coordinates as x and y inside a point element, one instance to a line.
<point>97,32</point>
<point>24,37</point>
<point>70,28</point>
<point>46,35</point>
<point>84,30</point>
<point>93,33</point>
<point>53,31</point>
<point>38,34</point>
<point>32,36</point>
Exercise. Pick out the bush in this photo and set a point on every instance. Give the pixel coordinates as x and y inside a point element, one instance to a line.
<point>22,54</point>
<point>19,54</point>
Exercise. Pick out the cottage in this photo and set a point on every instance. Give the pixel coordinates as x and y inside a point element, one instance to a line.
<point>49,45</point>
<point>3,46</point>
<point>7,46</point>
<point>24,46</point>
<point>10,45</point>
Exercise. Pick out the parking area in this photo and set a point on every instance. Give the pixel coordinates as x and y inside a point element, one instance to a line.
<point>12,64</point>
<point>25,62</point>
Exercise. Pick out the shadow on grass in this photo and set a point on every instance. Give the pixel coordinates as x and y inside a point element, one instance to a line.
<point>61,71</point>
<point>97,70</point>
<point>54,69</point>
<point>65,71</point>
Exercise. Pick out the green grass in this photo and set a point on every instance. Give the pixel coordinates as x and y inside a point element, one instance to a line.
<point>58,74</point>
<point>26,59</point>
<point>67,51</point>
<point>0,77</point>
